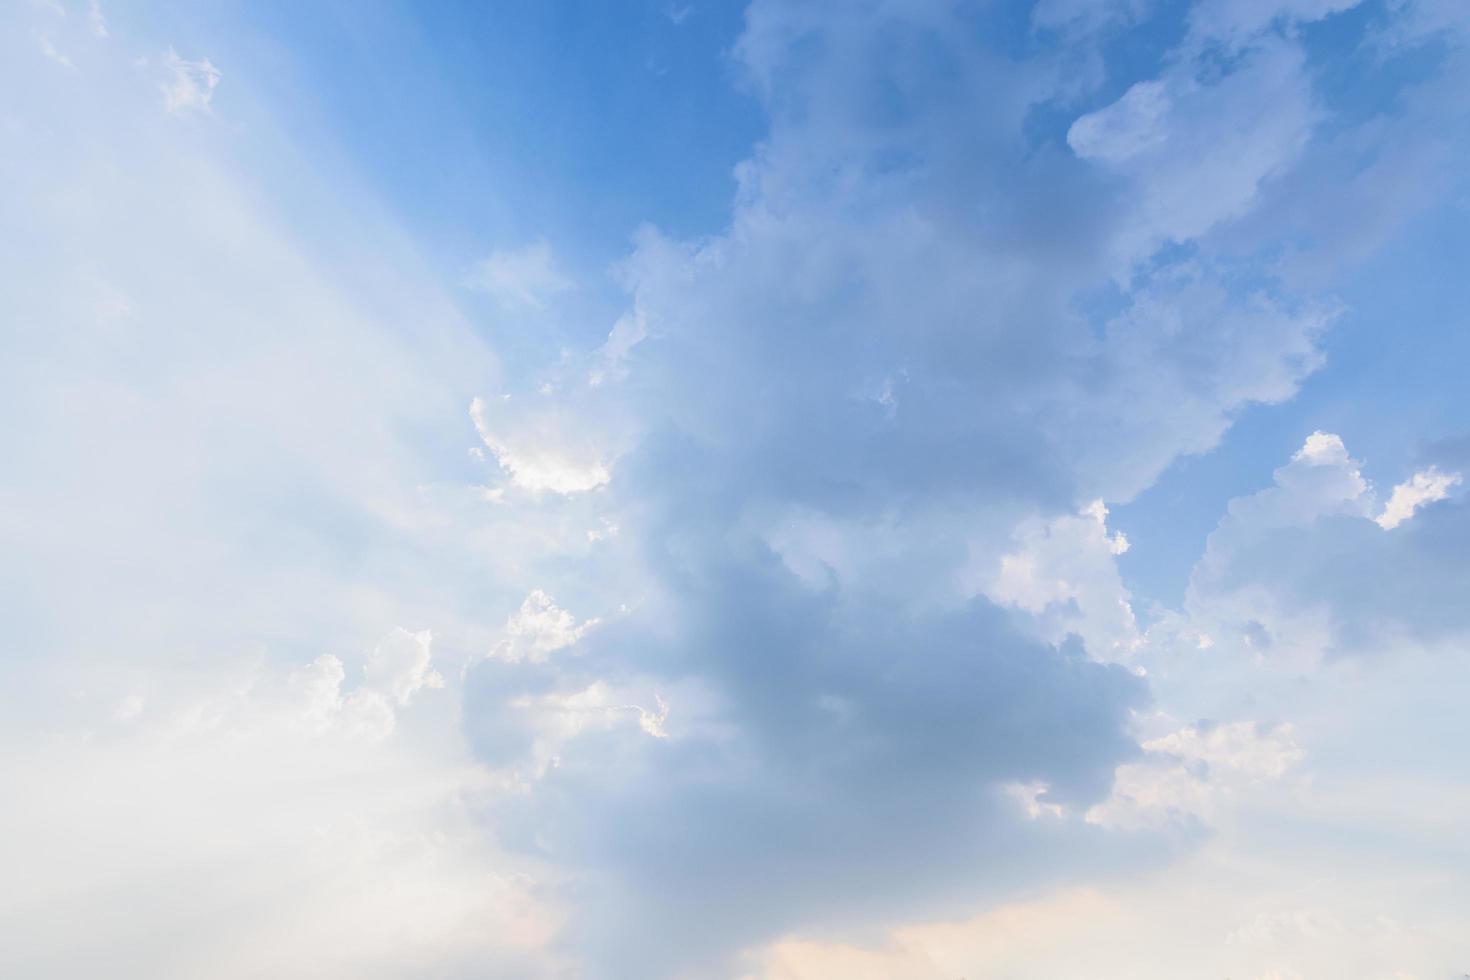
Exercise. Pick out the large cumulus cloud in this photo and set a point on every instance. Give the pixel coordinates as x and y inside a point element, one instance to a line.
<point>929,323</point>
<point>791,608</point>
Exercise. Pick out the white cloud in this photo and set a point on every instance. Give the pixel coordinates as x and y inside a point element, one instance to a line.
<point>399,666</point>
<point>1241,747</point>
<point>1030,797</point>
<point>538,629</point>
<point>547,455</point>
<point>1191,773</point>
<point>190,85</point>
<point>1063,572</point>
<point>395,670</point>
<point>1128,127</point>
<point>1322,479</point>
<point>1424,487</point>
<point>1323,449</point>
<point>526,277</point>
<point>812,544</point>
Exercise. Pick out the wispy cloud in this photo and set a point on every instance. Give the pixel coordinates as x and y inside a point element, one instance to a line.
<point>190,84</point>
<point>519,277</point>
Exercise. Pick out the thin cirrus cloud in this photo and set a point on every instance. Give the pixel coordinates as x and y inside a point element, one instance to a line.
<point>519,277</point>
<point>772,617</point>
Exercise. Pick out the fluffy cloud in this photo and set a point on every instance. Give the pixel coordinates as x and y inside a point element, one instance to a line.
<point>546,452</point>
<point>540,628</point>
<point>1422,488</point>
<point>784,607</point>
<point>397,668</point>
<point>1063,573</point>
<point>1191,773</point>
<point>1291,832</point>
<point>863,415</point>
<point>1315,567</point>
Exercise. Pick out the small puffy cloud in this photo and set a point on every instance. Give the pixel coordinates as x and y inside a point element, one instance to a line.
<point>1063,572</point>
<point>395,670</point>
<point>525,277</point>
<point>1322,479</point>
<point>190,84</point>
<point>399,666</point>
<point>1031,797</point>
<point>1323,449</point>
<point>538,629</point>
<point>1424,487</point>
<point>545,455</point>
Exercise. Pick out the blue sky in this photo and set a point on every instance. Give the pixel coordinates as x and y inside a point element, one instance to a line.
<point>910,488</point>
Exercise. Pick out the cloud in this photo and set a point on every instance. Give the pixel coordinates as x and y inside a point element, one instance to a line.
<point>815,577</point>
<point>1124,129</point>
<point>190,86</point>
<point>1063,572</point>
<point>396,669</point>
<point>538,629</point>
<point>1197,147</point>
<point>1190,774</point>
<point>541,459</point>
<point>1301,570</point>
<point>1422,488</point>
<point>519,278</point>
<point>783,606</point>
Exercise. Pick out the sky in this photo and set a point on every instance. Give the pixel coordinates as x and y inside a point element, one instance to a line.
<point>781,490</point>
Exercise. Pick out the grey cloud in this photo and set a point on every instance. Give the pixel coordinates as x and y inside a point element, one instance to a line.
<point>923,324</point>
